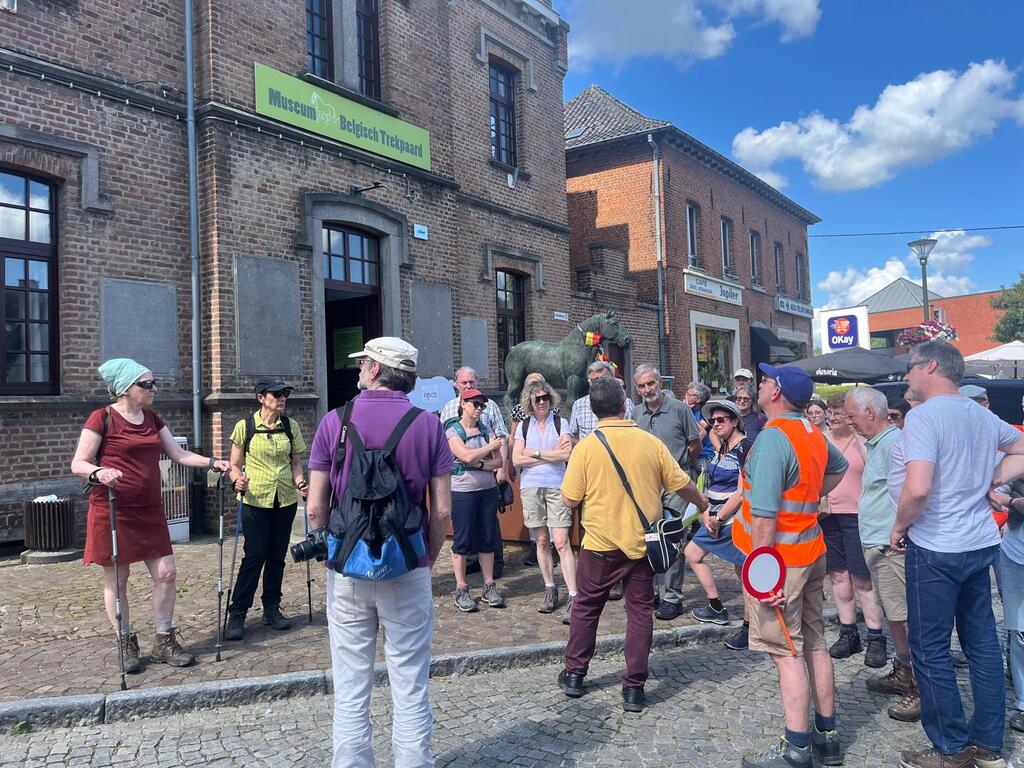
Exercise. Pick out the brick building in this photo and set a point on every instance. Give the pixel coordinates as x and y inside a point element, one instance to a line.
<point>899,306</point>
<point>363,168</point>
<point>734,249</point>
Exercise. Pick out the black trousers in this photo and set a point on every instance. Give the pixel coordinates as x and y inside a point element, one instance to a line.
<point>267,532</point>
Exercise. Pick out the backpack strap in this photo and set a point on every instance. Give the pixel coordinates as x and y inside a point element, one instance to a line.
<point>250,430</point>
<point>286,423</point>
<point>103,434</point>
<point>403,424</point>
<point>526,427</point>
<point>345,420</point>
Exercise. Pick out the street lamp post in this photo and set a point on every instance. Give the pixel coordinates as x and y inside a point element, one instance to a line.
<point>922,248</point>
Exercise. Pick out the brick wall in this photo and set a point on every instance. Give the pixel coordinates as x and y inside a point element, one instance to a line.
<point>973,317</point>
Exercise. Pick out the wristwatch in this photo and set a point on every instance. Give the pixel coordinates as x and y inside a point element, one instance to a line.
<point>536,454</point>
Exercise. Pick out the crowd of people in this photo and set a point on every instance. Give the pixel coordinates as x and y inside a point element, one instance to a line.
<point>905,506</point>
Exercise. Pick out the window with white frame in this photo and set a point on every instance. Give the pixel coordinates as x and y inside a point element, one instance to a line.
<point>755,257</point>
<point>800,287</point>
<point>727,265</point>
<point>692,213</point>
<point>780,282</point>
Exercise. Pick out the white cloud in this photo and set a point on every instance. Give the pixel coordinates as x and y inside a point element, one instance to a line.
<point>681,31</point>
<point>911,124</point>
<point>952,255</point>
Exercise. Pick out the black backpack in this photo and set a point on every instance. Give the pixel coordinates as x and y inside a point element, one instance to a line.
<point>284,425</point>
<point>526,426</point>
<point>378,527</point>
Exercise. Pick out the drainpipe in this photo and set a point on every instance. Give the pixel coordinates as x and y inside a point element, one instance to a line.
<point>658,249</point>
<point>193,233</point>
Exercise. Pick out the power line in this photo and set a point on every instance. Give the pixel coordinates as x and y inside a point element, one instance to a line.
<point>919,231</point>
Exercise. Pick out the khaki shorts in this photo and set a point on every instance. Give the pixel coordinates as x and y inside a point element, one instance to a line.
<point>543,506</point>
<point>889,580</point>
<point>803,613</point>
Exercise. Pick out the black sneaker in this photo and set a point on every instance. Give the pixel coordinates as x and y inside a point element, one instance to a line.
<point>236,627</point>
<point>708,615</point>
<point>570,683</point>
<point>633,698</point>
<point>847,644</point>
<point>782,755</point>
<point>875,654</point>
<point>826,747</point>
<point>1017,722</point>
<point>740,641</point>
<point>668,611</point>
<point>272,617</point>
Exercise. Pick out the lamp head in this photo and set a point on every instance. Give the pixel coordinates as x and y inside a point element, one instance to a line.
<point>922,248</point>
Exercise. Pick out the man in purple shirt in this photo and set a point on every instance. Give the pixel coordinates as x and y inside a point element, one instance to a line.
<point>356,609</point>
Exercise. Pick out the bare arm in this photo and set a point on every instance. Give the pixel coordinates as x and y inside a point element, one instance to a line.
<point>1017,449</point>
<point>240,481</point>
<point>690,494</point>
<point>297,474</point>
<point>83,464</point>
<point>693,447</point>
<point>440,513</point>
<point>179,455</point>
<point>319,498</point>
<point>471,455</point>
<point>570,503</point>
<point>1009,469</point>
<point>830,482</point>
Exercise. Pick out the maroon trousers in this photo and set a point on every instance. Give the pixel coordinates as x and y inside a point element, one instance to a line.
<point>596,574</point>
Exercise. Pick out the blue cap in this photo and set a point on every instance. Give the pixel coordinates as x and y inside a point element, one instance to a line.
<point>795,384</point>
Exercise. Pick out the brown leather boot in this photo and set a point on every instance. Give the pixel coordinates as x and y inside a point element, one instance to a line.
<point>907,709</point>
<point>900,680</point>
<point>167,649</point>
<point>932,758</point>
<point>130,644</point>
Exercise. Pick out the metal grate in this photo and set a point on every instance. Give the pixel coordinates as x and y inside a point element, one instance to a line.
<point>174,491</point>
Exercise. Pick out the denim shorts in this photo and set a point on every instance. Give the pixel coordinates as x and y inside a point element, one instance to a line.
<point>720,546</point>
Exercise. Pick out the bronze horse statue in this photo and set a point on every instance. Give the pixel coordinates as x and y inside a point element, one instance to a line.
<point>562,363</point>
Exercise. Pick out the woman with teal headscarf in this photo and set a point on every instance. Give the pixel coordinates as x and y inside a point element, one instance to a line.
<point>120,447</point>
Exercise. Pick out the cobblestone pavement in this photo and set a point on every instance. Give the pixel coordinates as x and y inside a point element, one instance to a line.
<point>707,706</point>
<point>56,639</point>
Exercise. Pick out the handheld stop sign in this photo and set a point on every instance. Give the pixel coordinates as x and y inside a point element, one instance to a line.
<point>764,574</point>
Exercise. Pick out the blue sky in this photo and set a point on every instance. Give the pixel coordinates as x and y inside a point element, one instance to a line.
<point>876,116</point>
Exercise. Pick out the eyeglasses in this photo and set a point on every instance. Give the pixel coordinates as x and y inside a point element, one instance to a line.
<point>911,366</point>
<point>360,362</point>
<point>744,399</point>
<point>146,383</point>
<point>476,403</point>
<point>280,394</point>
<point>542,399</point>
<point>720,419</point>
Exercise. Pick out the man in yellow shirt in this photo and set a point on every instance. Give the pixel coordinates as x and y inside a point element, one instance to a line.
<point>613,547</point>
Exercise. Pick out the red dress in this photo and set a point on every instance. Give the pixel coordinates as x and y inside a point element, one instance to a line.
<point>142,532</point>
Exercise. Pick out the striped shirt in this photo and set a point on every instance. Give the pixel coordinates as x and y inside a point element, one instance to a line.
<point>268,465</point>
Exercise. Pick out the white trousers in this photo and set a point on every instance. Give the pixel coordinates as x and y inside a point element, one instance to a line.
<point>356,609</point>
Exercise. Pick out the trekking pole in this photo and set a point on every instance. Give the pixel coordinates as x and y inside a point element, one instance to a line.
<point>112,502</point>
<point>234,554</point>
<point>220,568</point>
<point>309,572</point>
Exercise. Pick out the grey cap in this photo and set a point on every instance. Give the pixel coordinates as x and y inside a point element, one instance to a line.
<point>722,405</point>
<point>974,392</point>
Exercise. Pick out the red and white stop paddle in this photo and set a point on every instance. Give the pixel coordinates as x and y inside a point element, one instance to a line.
<point>763,575</point>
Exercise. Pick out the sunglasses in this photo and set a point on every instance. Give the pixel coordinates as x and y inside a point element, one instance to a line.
<point>743,400</point>
<point>542,399</point>
<point>893,415</point>
<point>146,384</point>
<point>720,419</point>
<point>280,394</point>
<point>912,366</point>
<point>476,403</point>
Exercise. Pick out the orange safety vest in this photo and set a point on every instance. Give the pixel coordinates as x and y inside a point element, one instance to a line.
<point>798,537</point>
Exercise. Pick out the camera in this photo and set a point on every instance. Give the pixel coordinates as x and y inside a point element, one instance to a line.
<point>313,546</point>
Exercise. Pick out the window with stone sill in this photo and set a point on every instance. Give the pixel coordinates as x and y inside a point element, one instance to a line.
<point>362,69</point>
<point>28,256</point>
<point>511,314</point>
<point>319,42</point>
<point>755,257</point>
<point>728,266</point>
<point>502,88</point>
<point>780,282</point>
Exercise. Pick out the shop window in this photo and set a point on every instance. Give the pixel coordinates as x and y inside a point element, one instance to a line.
<point>727,262</point>
<point>502,84</point>
<point>351,257</point>
<point>368,36</point>
<point>511,315</point>
<point>692,214</point>
<point>29,301</point>
<point>319,48</point>
<point>780,282</point>
<point>714,357</point>
<point>755,257</point>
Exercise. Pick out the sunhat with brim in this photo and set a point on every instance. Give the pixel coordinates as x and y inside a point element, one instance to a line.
<point>473,394</point>
<point>392,352</point>
<point>722,405</point>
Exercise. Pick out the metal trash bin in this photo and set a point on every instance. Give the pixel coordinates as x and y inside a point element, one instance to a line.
<point>50,525</point>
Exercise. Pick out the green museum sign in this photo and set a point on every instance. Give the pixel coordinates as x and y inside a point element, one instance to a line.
<point>296,102</point>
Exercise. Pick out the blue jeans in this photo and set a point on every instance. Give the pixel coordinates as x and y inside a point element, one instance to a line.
<point>943,588</point>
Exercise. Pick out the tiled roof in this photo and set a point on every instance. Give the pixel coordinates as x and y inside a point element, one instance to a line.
<point>899,294</point>
<point>595,115</point>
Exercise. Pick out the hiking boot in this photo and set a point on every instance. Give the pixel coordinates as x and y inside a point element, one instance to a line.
<point>633,698</point>
<point>550,601</point>
<point>907,709</point>
<point>567,616</point>
<point>782,755</point>
<point>875,654</point>
<point>932,758</point>
<point>492,596</point>
<point>272,617</point>
<point>130,644</point>
<point>709,615</point>
<point>615,593</point>
<point>571,683</point>
<point>826,747</point>
<point>847,644</point>
<point>668,611</point>
<point>985,758</point>
<point>167,649</point>
<point>1017,722</point>
<point>900,680</point>
<point>740,641</point>
<point>464,601</point>
<point>236,627</point>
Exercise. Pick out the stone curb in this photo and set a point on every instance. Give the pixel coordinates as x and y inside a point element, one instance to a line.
<point>93,709</point>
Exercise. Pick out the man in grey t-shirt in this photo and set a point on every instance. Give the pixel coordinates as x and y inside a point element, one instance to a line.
<point>944,521</point>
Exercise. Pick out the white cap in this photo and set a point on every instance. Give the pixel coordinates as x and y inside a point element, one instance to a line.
<point>745,373</point>
<point>392,352</point>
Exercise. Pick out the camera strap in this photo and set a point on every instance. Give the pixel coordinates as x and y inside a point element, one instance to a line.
<point>345,422</point>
